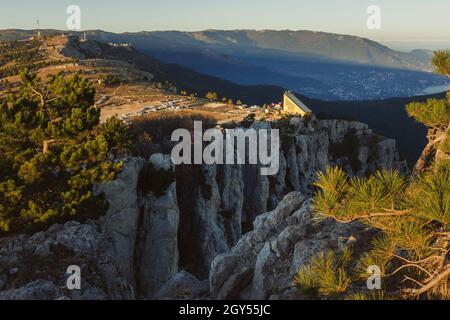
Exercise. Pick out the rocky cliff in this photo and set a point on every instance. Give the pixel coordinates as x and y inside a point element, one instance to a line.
<point>200,231</point>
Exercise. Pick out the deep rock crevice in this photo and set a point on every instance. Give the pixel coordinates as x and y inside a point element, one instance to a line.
<point>231,232</point>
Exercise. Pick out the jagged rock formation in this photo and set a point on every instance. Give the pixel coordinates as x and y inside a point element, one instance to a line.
<point>228,198</point>
<point>156,253</point>
<point>122,219</point>
<point>33,267</point>
<point>432,153</point>
<point>184,286</point>
<point>163,220</point>
<point>263,263</point>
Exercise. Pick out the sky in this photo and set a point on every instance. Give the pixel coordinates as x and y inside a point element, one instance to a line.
<point>404,23</point>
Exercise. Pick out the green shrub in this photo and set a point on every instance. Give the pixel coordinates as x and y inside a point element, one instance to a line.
<point>326,274</point>
<point>53,153</point>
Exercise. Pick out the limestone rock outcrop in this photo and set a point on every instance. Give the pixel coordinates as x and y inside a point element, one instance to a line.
<point>192,228</point>
<point>122,219</point>
<point>264,262</point>
<point>156,253</point>
<point>34,267</point>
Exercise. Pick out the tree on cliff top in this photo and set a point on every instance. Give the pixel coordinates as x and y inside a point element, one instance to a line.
<point>52,152</point>
<point>435,114</point>
<point>412,215</point>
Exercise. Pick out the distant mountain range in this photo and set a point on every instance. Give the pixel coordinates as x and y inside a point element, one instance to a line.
<point>386,117</point>
<point>182,77</point>
<point>317,46</point>
<point>319,65</point>
<point>309,45</point>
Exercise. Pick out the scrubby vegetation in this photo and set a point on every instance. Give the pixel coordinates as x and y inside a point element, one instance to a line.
<point>434,113</point>
<point>52,152</point>
<point>326,274</point>
<point>111,80</point>
<point>153,132</point>
<point>22,52</point>
<point>17,56</point>
<point>348,148</point>
<point>411,213</point>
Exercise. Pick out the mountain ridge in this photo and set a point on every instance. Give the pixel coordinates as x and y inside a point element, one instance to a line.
<point>317,64</point>
<point>409,134</point>
<point>254,38</point>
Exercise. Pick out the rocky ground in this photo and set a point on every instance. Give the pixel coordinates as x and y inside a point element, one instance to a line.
<point>199,232</point>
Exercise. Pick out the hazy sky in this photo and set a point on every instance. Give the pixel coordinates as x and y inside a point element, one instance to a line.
<point>419,21</point>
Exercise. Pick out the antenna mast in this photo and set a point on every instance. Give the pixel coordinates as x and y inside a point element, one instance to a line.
<point>39,35</point>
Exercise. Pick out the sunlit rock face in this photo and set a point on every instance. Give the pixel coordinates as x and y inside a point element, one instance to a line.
<point>217,231</point>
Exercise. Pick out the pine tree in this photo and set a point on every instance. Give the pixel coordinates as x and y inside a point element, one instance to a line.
<point>435,114</point>
<point>441,60</point>
<point>52,152</point>
<point>412,215</point>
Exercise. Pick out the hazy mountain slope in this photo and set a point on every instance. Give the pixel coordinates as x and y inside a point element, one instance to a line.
<point>308,44</point>
<point>422,54</point>
<point>326,45</point>
<point>305,44</point>
<point>183,78</point>
<point>319,65</point>
<point>387,117</point>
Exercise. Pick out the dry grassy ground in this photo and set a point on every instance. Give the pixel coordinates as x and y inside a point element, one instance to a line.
<point>133,99</point>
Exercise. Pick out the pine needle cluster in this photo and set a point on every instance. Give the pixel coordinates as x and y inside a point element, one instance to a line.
<point>412,214</point>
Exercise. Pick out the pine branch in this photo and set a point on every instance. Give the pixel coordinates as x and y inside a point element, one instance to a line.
<point>419,261</point>
<point>388,213</point>
<point>431,284</point>
<point>442,69</point>
<point>407,266</point>
<point>427,155</point>
<point>413,280</point>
